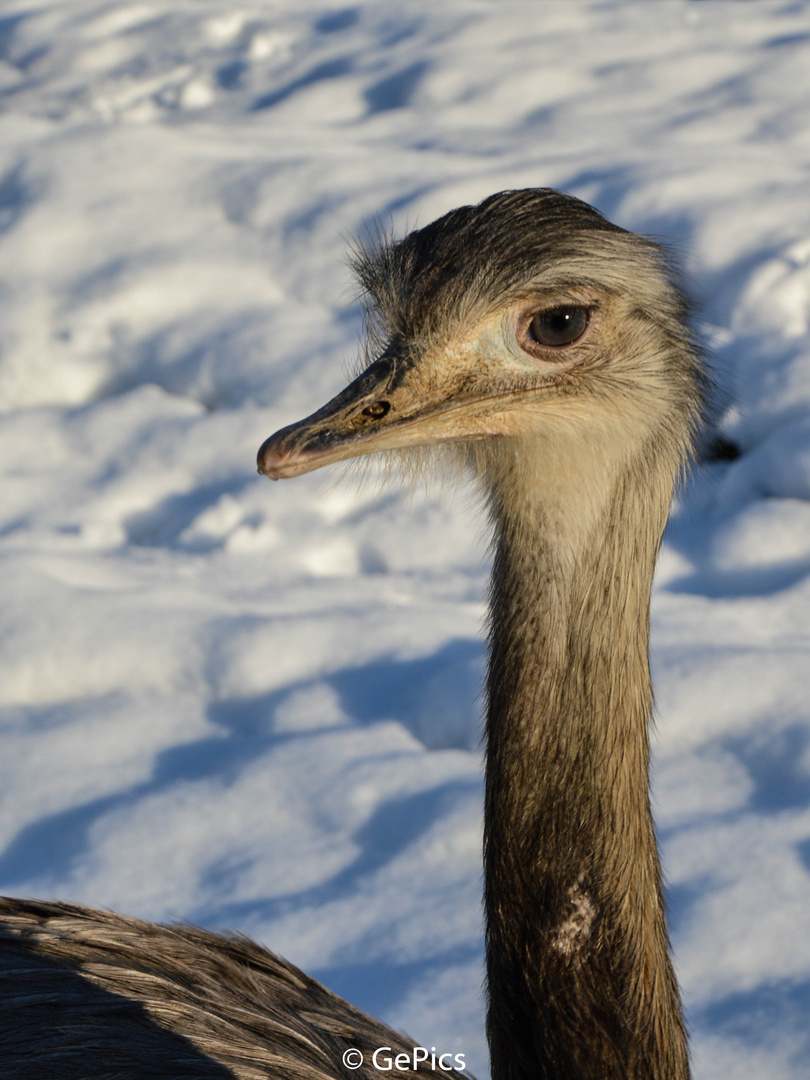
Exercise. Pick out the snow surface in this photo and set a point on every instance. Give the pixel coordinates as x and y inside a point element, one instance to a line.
<point>256,706</point>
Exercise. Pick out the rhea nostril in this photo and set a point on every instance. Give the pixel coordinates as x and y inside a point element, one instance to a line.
<point>377,411</point>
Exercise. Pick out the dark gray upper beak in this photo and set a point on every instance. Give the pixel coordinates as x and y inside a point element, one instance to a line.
<point>335,431</point>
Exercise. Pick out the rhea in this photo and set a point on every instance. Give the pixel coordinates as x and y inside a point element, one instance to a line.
<point>550,352</point>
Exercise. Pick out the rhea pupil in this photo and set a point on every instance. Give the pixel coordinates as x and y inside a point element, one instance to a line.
<point>559,326</point>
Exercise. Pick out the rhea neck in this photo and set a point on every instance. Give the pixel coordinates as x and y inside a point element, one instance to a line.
<point>580,982</point>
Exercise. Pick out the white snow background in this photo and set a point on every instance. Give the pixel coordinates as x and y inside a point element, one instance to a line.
<point>254,705</point>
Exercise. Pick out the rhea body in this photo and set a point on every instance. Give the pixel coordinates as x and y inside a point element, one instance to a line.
<point>549,351</point>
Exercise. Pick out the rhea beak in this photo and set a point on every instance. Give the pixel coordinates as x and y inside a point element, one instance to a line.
<point>390,405</point>
<point>342,428</point>
<point>466,391</point>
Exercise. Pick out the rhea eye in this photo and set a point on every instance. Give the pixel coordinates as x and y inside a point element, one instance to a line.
<point>558,326</point>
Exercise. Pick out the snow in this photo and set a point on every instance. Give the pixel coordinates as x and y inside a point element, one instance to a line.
<point>257,706</point>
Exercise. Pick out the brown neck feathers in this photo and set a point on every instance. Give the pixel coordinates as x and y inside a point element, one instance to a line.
<point>580,981</point>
